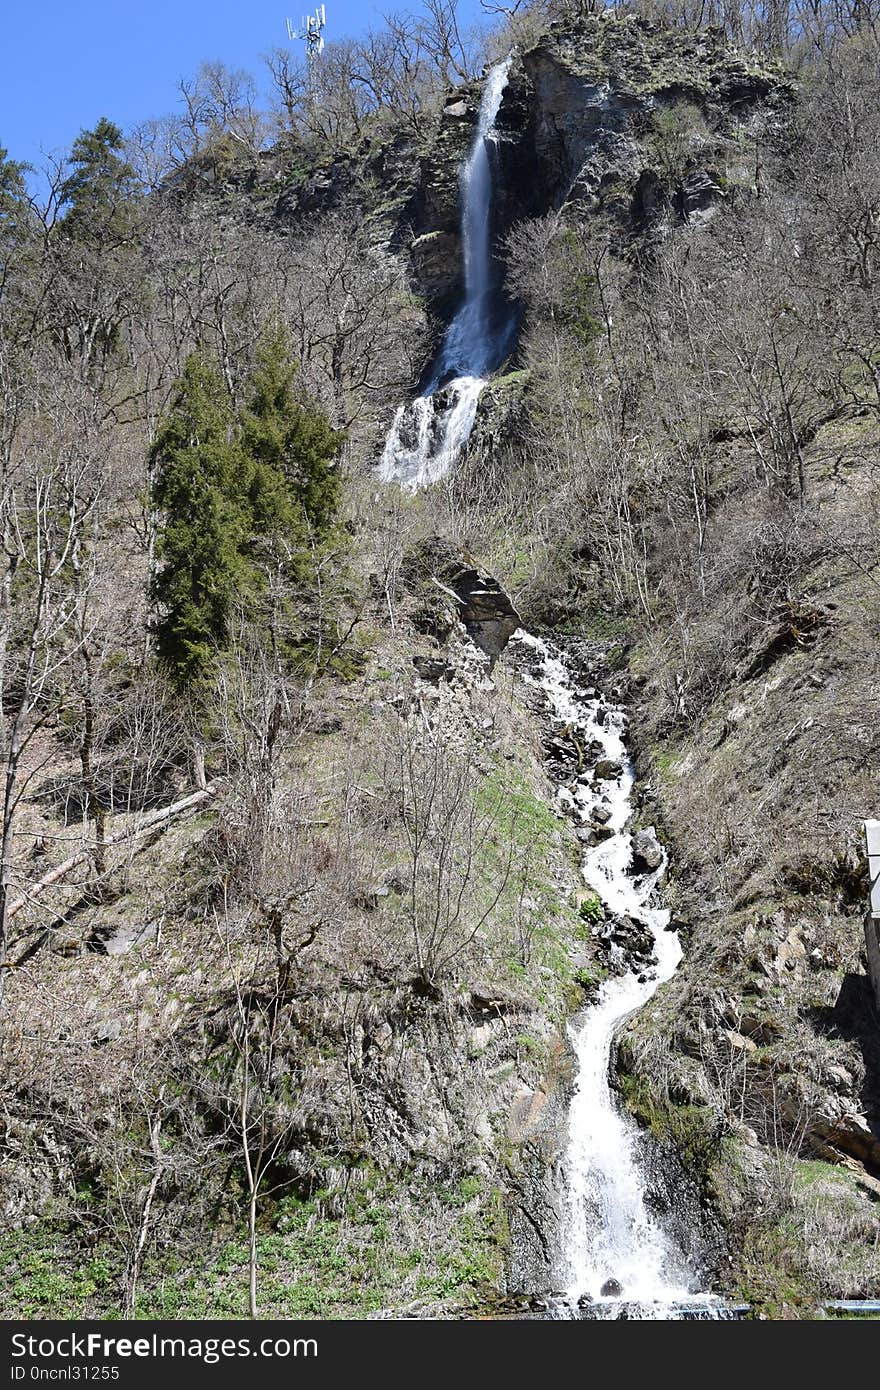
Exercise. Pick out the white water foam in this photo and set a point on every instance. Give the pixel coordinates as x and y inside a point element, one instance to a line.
<point>427,434</point>
<point>608,1231</point>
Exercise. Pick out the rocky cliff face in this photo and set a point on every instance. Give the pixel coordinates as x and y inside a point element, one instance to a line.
<point>570,127</point>
<point>583,97</point>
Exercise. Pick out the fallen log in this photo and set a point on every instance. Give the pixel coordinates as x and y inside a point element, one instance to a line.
<point>149,822</point>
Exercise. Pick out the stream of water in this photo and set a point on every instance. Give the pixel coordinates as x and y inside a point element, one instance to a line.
<point>615,1253</point>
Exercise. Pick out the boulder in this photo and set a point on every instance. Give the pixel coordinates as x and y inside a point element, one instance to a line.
<point>432,670</point>
<point>487,613</point>
<point>612,1288</point>
<point>738,1042</point>
<point>608,769</point>
<point>647,853</point>
<point>762,1028</point>
<point>627,944</point>
<point>441,575</point>
<point>592,835</point>
<point>116,938</point>
<point>699,192</point>
<point>562,753</point>
<point>600,833</point>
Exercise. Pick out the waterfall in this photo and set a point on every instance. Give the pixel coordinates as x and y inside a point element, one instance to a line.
<point>616,1255</point>
<point>608,1232</point>
<point>428,433</point>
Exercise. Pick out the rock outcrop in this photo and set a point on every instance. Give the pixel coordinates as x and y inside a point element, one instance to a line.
<point>448,586</point>
<point>579,103</point>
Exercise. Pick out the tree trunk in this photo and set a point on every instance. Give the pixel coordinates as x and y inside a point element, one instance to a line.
<point>198,763</point>
<point>95,810</point>
<point>67,865</point>
<point>252,1252</point>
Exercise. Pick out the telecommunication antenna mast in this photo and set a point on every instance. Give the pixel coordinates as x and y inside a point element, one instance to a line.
<point>311,32</point>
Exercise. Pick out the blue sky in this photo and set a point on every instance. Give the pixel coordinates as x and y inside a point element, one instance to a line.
<point>63,65</point>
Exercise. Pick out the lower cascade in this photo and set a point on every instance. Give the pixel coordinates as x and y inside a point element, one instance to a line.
<point>615,1254</point>
<point>429,433</point>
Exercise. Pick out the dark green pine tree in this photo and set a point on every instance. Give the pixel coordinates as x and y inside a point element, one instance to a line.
<point>100,191</point>
<point>97,241</point>
<point>200,477</point>
<point>17,242</point>
<point>292,451</point>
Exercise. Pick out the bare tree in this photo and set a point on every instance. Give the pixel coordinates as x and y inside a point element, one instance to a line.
<point>260,1123</point>
<point>448,831</point>
<point>219,102</point>
<point>47,497</point>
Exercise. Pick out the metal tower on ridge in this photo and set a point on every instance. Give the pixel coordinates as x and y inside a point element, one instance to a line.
<point>311,32</point>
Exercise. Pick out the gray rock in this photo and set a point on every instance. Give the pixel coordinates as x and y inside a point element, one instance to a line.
<point>699,191</point>
<point>486,611</point>
<point>109,1030</point>
<point>430,669</point>
<point>117,938</point>
<point>600,834</point>
<point>647,853</point>
<point>608,769</point>
<point>439,572</point>
<point>594,835</point>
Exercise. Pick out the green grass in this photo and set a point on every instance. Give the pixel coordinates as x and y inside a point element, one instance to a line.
<point>385,1252</point>
<point>523,819</point>
<point>40,1280</point>
<point>313,1266</point>
<point>811,1171</point>
<point>665,763</point>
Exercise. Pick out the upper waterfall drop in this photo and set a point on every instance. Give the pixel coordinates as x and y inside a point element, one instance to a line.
<point>470,347</point>
<point>427,433</point>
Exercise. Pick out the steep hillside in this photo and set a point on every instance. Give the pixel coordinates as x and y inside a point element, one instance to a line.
<point>293,918</point>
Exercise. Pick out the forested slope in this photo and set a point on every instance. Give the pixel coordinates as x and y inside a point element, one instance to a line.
<point>299,1044</point>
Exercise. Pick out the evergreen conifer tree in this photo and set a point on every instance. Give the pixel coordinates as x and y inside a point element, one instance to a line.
<point>101,188</point>
<point>198,486</point>
<point>292,448</point>
<point>13,192</point>
<point>97,246</point>
<point>232,493</point>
